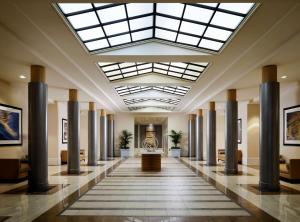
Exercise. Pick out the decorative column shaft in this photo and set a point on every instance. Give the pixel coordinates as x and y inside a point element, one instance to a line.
<point>269,130</point>
<point>103,135</point>
<point>37,130</point>
<point>199,135</point>
<point>73,133</point>
<point>92,135</point>
<point>191,136</point>
<point>231,143</point>
<point>211,135</point>
<point>110,135</point>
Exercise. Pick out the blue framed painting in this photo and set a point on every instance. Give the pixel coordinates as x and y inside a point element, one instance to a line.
<point>10,125</point>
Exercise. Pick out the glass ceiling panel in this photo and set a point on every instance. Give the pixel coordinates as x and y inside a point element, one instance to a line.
<point>200,26</point>
<point>134,101</point>
<point>134,108</point>
<point>174,90</point>
<point>186,71</point>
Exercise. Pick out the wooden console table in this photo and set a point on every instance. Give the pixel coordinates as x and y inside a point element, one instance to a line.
<point>151,161</point>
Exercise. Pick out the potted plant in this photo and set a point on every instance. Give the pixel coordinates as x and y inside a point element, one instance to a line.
<point>175,138</point>
<point>125,139</point>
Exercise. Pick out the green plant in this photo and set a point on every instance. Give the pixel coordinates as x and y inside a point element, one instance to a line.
<point>175,138</point>
<point>125,139</point>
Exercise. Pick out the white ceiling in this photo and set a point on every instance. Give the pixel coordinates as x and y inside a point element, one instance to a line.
<point>33,33</point>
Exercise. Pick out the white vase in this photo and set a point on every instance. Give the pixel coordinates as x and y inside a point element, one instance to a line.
<point>125,153</point>
<point>175,153</point>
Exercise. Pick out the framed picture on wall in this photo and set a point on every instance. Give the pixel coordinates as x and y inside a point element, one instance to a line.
<point>291,126</point>
<point>64,131</point>
<point>239,131</point>
<point>10,125</point>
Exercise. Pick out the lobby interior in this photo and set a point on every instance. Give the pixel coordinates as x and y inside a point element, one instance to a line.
<point>149,111</point>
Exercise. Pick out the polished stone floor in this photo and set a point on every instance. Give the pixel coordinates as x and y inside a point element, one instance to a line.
<point>184,190</point>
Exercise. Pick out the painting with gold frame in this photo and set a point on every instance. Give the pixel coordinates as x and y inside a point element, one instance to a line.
<point>10,125</point>
<point>291,126</point>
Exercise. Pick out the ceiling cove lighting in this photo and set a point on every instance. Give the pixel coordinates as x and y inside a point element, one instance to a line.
<point>135,108</point>
<point>174,90</point>
<point>205,26</point>
<point>187,71</point>
<point>169,101</point>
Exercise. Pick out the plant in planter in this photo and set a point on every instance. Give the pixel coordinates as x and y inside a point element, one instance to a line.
<point>125,139</point>
<point>175,138</point>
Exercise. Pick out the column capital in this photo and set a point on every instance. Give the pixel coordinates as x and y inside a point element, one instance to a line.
<point>269,73</point>
<point>37,73</point>
<point>192,116</point>
<point>199,112</point>
<point>110,116</point>
<point>92,106</point>
<point>102,112</point>
<point>212,106</point>
<point>73,95</point>
<point>231,95</point>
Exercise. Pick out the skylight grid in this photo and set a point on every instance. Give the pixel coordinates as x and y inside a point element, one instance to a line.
<point>163,100</point>
<point>200,26</point>
<point>187,71</point>
<point>134,108</point>
<point>174,90</point>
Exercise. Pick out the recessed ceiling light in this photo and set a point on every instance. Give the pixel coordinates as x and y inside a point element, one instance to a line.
<point>22,77</point>
<point>283,77</point>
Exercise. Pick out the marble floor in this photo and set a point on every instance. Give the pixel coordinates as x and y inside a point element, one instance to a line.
<point>184,190</point>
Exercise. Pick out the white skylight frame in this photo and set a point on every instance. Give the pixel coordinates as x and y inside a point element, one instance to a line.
<point>135,108</point>
<point>191,72</point>
<point>212,15</point>
<point>173,90</point>
<point>172,101</point>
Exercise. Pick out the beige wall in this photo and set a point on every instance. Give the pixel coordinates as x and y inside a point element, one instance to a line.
<point>253,134</point>
<point>53,124</point>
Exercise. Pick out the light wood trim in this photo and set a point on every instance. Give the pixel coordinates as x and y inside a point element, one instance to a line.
<point>73,95</point>
<point>102,112</point>
<point>92,106</point>
<point>192,116</point>
<point>231,94</point>
<point>269,73</point>
<point>212,106</point>
<point>199,112</point>
<point>37,73</point>
<point>110,116</point>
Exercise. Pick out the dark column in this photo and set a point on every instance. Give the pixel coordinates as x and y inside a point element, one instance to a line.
<point>199,135</point>
<point>191,136</point>
<point>92,135</point>
<point>269,130</point>
<point>231,144</point>
<point>37,130</point>
<point>73,133</point>
<point>103,135</point>
<point>110,135</point>
<point>211,135</point>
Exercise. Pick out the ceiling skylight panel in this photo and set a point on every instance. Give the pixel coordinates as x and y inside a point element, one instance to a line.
<point>187,39</point>
<point>160,71</point>
<point>175,74</point>
<point>129,69</point>
<point>130,74</point>
<point>144,71</point>
<point>135,9</point>
<point>179,64</point>
<point>100,4</point>
<point>243,8</point>
<point>118,40</point>
<point>192,28</point>
<point>209,4</point>
<point>142,35</point>
<point>116,28</point>
<point>140,23</point>
<point>112,14</point>
<point>208,44</point>
<point>219,34</point>
<point>226,20</point>
<point>167,23</point>
<point>161,66</point>
<point>189,77</point>
<point>163,34</point>
<point>126,64</point>
<point>197,68</point>
<point>83,20</point>
<point>74,7</point>
<point>91,33</point>
<point>112,73</point>
<point>109,68</point>
<point>173,9</point>
<point>193,73</point>
<point>99,44</point>
<point>144,66</point>
<point>115,77</point>
<point>176,69</point>
<point>197,14</point>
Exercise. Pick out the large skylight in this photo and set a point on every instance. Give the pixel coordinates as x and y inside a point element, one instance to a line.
<point>174,90</point>
<point>135,108</point>
<point>202,26</point>
<point>163,100</point>
<point>187,71</point>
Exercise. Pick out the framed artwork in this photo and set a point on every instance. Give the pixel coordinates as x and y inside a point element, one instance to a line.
<point>10,125</point>
<point>64,136</point>
<point>291,126</point>
<point>239,131</point>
